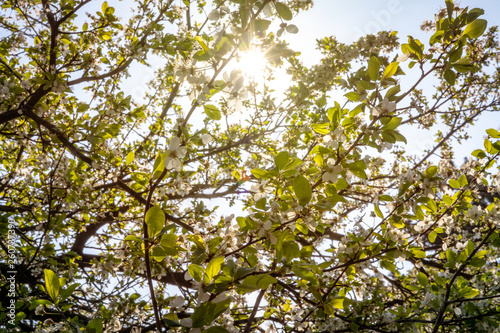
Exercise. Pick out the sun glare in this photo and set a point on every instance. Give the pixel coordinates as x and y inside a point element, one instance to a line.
<point>253,64</point>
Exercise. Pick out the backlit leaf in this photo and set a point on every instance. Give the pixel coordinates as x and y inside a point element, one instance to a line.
<point>390,70</point>
<point>476,28</point>
<point>422,279</point>
<point>212,112</point>
<point>52,284</point>
<point>155,220</point>
<point>373,68</point>
<point>213,267</point>
<point>302,189</point>
<point>197,272</point>
<point>95,326</point>
<point>283,11</point>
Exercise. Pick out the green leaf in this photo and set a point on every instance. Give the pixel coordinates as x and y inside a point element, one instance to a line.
<point>373,68</point>
<point>358,169</point>
<point>105,35</point>
<point>198,241</point>
<point>322,128</point>
<point>378,211</point>
<point>338,303</point>
<point>304,273</point>
<point>479,153</point>
<point>202,314</point>
<point>197,272</point>
<point>432,236</point>
<point>261,25</point>
<point>463,65</point>
<point>478,262</point>
<point>406,49</point>
<point>450,76</point>
<point>169,243</point>
<point>37,302</point>
<point>130,157</point>
<point>431,204</point>
<point>417,253</point>
<point>265,280</point>
<point>155,220</point>
<point>213,267</point>
<point>419,213</point>
<point>202,55</point>
<point>290,250</point>
<point>259,173</point>
<point>207,312</point>
<point>476,28</point>
<point>422,279</point>
<point>279,244</point>
<point>493,133</point>
<point>449,8</point>
<point>159,165</point>
<point>294,164</point>
<point>302,228</point>
<point>393,123</point>
<point>470,293</point>
<point>281,160</point>
<point>158,253</point>
<point>473,14</point>
<point>302,190</point>
<point>469,248</point>
<point>212,112</point>
<point>387,136</point>
<point>52,284</point>
<point>292,29</point>
<point>390,70</point>
<point>392,92</point>
<point>104,6</point>
<point>319,160</point>
<point>453,183</point>
<point>283,11</point>
<point>202,43</point>
<point>451,257</point>
<point>462,180</point>
<point>359,166</point>
<point>399,136</point>
<point>133,238</point>
<point>95,326</point>
<point>260,281</point>
<point>436,37</point>
<point>352,96</point>
<point>455,54</point>
<point>68,291</point>
<point>341,184</point>
<point>488,146</point>
<point>431,171</point>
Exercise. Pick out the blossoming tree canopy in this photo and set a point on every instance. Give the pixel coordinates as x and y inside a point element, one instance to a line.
<point>214,201</point>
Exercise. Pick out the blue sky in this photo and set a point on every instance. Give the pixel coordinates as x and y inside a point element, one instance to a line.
<point>350,19</point>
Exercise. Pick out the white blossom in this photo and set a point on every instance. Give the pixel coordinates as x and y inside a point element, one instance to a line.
<point>332,173</point>
<point>206,138</point>
<point>177,302</point>
<point>384,108</point>
<point>174,154</point>
<point>474,212</point>
<point>261,190</point>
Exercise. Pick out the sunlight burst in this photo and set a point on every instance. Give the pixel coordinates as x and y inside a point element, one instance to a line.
<point>252,63</point>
